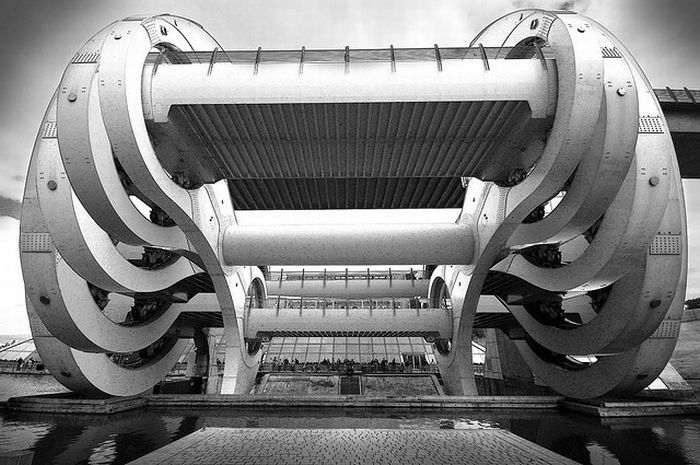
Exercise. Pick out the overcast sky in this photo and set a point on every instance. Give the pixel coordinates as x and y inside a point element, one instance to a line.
<point>38,38</point>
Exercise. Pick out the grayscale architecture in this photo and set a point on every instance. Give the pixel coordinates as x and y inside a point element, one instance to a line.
<point>542,139</point>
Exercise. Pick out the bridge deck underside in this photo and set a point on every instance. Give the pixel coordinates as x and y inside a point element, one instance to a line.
<point>687,145</point>
<point>349,155</point>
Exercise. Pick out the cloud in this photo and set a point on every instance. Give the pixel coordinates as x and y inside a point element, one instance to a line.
<point>579,6</point>
<point>15,150</point>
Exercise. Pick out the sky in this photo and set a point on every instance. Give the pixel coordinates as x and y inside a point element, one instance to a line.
<point>38,38</point>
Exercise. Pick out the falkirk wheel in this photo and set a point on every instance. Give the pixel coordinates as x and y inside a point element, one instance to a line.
<point>543,134</point>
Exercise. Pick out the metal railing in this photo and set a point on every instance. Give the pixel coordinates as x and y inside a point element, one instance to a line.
<point>343,368</point>
<point>347,275</point>
<point>300,303</point>
<point>348,55</point>
<point>684,95</point>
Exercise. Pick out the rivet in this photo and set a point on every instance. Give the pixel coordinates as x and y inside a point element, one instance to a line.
<point>654,180</point>
<point>581,29</point>
<point>52,185</point>
<point>654,303</point>
<point>44,300</point>
<point>117,36</point>
<point>72,97</point>
<point>621,91</point>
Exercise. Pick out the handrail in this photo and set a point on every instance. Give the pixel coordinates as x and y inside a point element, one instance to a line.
<point>325,275</point>
<point>302,303</point>
<point>14,345</point>
<point>346,55</point>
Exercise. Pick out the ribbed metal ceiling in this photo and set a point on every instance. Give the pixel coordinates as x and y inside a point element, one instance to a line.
<point>348,155</point>
<point>354,140</point>
<point>342,193</point>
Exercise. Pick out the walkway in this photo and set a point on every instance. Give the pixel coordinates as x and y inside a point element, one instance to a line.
<point>351,446</point>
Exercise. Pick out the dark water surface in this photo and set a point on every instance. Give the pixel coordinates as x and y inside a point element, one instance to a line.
<point>120,438</point>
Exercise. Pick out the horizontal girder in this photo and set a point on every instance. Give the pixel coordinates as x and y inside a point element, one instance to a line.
<point>347,244</point>
<point>682,110</point>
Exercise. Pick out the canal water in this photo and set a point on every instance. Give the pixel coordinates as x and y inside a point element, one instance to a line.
<point>120,438</point>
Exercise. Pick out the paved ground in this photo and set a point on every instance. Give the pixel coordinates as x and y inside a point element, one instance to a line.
<point>351,446</point>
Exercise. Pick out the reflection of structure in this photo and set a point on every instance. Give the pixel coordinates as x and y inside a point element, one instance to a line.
<point>544,131</point>
<point>116,438</point>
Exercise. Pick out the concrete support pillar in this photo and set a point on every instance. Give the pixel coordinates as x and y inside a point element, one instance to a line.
<point>492,364</point>
<point>201,358</point>
<point>213,335</point>
<point>191,365</point>
<point>506,372</point>
<point>513,366</point>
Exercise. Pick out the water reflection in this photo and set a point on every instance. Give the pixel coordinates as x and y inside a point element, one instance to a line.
<point>75,439</point>
<point>120,438</point>
<point>649,440</point>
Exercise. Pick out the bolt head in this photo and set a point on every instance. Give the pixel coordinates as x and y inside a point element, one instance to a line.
<point>44,300</point>
<point>581,29</point>
<point>52,185</point>
<point>72,97</point>
<point>654,303</point>
<point>654,180</point>
<point>117,36</point>
<point>621,91</point>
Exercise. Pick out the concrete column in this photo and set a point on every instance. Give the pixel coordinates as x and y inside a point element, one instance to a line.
<point>492,364</point>
<point>213,370</point>
<point>201,359</point>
